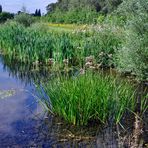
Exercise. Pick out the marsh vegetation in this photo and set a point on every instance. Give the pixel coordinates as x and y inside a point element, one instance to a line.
<point>73,53</point>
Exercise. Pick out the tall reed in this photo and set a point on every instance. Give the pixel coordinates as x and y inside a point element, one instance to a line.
<point>38,43</point>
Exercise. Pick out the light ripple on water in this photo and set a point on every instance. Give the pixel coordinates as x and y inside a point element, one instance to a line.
<point>6,93</point>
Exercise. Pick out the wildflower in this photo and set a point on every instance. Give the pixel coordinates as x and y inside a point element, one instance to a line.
<point>51,61</point>
<point>110,55</point>
<point>98,65</point>
<point>101,53</point>
<point>89,59</point>
<point>82,71</point>
<point>88,64</point>
<point>35,63</point>
<point>65,61</point>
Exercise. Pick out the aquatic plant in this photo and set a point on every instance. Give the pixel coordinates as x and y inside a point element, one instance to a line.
<point>38,44</point>
<point>25,45</point>
<point>88,97</point>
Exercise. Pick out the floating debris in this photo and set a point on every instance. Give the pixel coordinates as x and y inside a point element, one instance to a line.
<point>6,93</point>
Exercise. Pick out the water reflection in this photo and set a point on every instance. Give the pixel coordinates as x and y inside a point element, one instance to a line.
<point>24,72</point>
<point>17,112</point>
<point>23,123</point>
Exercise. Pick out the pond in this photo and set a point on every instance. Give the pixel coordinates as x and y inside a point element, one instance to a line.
<point>22,119</point>
<point>24,123</point>
<point>19,111</point>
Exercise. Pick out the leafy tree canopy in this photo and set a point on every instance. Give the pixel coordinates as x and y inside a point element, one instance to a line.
<point>97,5</point>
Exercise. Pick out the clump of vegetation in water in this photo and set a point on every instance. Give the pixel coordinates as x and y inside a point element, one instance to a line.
<point>88,97</point>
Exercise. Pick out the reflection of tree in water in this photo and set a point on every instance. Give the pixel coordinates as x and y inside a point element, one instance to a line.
<point>25,72</point>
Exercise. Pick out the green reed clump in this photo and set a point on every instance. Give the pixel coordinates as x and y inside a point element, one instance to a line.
<point>88,97</point>
<point>25,44</point>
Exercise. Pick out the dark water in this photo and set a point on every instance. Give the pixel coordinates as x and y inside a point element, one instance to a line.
<point>24,123</point>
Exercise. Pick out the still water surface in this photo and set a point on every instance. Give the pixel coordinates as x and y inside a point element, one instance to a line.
<point>24,123</point>
<point>17,111</point>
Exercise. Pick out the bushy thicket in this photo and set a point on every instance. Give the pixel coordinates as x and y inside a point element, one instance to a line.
<point>104,6</point>
<point>24,19</point>
<point>4,16</point>
<point>38,43</point>
<point>76,11</point>
<point>133,56</point>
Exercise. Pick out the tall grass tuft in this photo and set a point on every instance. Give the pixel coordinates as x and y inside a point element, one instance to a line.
<point>89,97</point>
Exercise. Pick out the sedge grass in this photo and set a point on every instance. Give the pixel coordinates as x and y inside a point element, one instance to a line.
<point>89,97</point>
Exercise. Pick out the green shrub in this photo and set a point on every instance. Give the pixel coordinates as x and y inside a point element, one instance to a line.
<point>103,44</point>
<point>24,19</point>
<point>133,56</point>
<point>76,16</point>
<point>4,16</point>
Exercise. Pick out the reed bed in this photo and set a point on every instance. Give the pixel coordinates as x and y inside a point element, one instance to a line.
<point>40,44</point>
<point>89,97</point>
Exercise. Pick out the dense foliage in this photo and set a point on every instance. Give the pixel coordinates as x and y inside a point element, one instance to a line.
<point>38,44</point>
<point>4,16</point>
<point>111,40</point>
<point>76,11</point>
<point>119,40</point>
<point>96,5</point>
<point>24,19</point>
<point>133,56</point>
